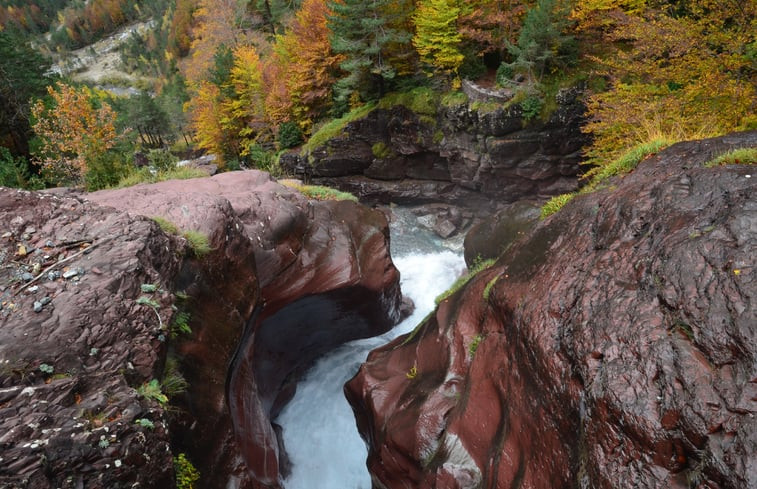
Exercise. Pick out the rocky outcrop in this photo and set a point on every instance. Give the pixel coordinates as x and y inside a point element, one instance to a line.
<point>468,155</point>
<point>324,276</point>
<point>76,343</point>
<point>90,288</point>
<point>613,346</point>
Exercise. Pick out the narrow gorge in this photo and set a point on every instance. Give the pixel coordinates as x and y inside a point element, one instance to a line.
<point>610,345</point>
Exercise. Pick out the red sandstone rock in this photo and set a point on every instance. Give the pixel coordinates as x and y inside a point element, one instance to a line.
<point>68,373</point>
<point>325,277</point>
<point>615,346</point>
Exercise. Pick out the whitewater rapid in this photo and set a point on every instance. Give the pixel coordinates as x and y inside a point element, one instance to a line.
<point>319,429</point>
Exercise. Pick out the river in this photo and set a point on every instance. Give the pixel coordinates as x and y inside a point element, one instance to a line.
<point>319,428</point>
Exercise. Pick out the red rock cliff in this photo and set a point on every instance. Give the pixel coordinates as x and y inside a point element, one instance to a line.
<point>285,280</point>
<point>613,347</point>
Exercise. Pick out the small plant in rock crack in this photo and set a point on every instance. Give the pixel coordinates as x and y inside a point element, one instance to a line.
<point>412,373</point>
<point>152,390</point>
<point>145,423</point>
<point>46,369</point>
<point>145,300</point>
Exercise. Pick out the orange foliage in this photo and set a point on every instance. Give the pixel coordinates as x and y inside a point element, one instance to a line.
<point>305,50</point>
<point>493,23</point>
<point>677,76</point>
<point>72,131</point>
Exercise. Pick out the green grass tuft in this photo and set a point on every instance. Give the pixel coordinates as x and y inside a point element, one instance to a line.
<point>198,242</point>
<point>144,175</point>
<point>454,99</point>
<point>742,156</point>
<point>421,100</point>
<point>555,204</point>
<point>625,163</point>
<point>319,192</point>
<point>460,282</point>
<point>489,287</point>
<point>167,226</point>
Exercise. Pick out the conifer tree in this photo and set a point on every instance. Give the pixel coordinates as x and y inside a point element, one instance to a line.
<point>542,42</point>
<point>361,31</point>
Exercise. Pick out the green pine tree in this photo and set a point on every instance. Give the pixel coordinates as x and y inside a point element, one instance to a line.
<point>542,44</point>
<point>361,31</point>
<point>22,76</point>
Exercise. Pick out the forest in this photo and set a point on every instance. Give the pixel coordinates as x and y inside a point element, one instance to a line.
<point>247,79</point>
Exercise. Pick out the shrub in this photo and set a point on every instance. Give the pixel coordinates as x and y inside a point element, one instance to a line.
<point>106,170</point>
<point>290,135</point>
<point>186,473</point>
<point>151,390</point>
<point>381,150</point>
<point>531,107</point>
<point>174,382</point>
<point>454,99</point>
<point>472,67</point>
<point>162,159</point>
<point>504,74</point>
<point>263,159</point>
<point>14,172</point>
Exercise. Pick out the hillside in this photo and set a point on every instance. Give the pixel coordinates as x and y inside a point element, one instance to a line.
<point>254,78</point>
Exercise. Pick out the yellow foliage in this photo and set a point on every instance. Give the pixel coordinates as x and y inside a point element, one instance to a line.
<point>73,132</point>
<point>683,77</point>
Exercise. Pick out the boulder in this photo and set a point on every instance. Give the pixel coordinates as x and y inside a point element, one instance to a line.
<point>612,346</point>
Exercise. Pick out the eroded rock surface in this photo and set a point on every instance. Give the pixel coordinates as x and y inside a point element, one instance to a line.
<point>324,275</point>
<point>614,346</point>
<point>90,286</point>
<point>75,344</point>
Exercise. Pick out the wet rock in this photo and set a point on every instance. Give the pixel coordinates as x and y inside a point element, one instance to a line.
<point>288,280</point>
<point>478,160</point>
<point>612,346</point>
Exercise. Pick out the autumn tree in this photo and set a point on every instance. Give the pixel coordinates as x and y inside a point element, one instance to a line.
<point>304,54</point>
<point>245,108</point>
<point>437,37</point>
<point>74,132</point>
<point>492,24</point>
<point>678,74</point>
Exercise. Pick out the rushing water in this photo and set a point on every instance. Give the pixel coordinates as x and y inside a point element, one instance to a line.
<point>320,435</point>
